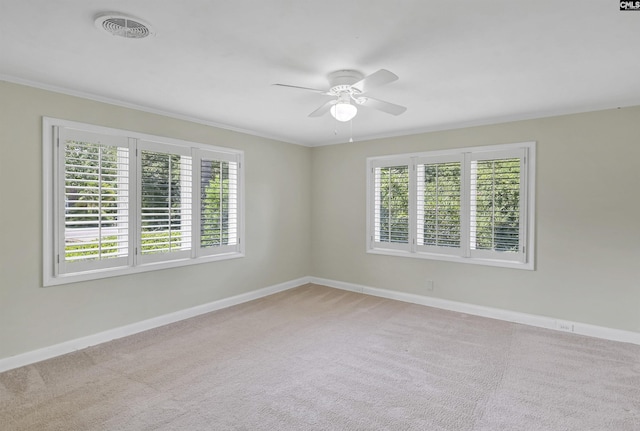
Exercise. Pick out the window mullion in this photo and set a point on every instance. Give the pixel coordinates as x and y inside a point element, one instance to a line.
<point>138,207</point>
<point>59,202</point>
<point>221,198</point>
<point>388,205</point>
<point>100,200</point>
<point>170,202</point>
<point>134,212</point>
<point>419,209</point>
<point>465,206</point>
<point>413,205</point>
<point>524,200</point>
<point>196,213</point>
<point>493,205</point>
<point>437,206</point>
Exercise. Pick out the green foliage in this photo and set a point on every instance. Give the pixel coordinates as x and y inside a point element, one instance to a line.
<point>394,204</point>
<point>498,205</point>
<point>90,249</point>
<point>161,241</point>
<point>215,204</point>
<point>151,241</point>
<point>161,188</point>
<point>495,204</point>
<point>441,197</point>
<point>161,200</point>
<point>91,184</point>
<point>93,174</point>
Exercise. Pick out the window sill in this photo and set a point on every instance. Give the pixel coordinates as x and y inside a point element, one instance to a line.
<point>127,270</point>
<point>451,258</point>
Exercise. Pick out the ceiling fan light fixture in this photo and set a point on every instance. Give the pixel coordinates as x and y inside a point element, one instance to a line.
<point>343,111</point>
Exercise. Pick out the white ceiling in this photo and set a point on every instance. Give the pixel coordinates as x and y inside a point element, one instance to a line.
<point>460,62</point>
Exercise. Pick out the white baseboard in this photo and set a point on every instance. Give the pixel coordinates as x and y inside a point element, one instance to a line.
<point>461,307</point>
<point>134,328</point>
<point>493,313</point>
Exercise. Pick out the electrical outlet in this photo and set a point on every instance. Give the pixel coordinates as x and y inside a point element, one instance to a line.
<point>429,285</point>
<point>564,326</point>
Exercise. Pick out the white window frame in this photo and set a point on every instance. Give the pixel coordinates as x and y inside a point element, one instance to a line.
<point>159,147</point>
<point>386,163</point>
<point>55,273</point>
<point>436,159</point>
<point>199,155</point>
<point>524,259</point>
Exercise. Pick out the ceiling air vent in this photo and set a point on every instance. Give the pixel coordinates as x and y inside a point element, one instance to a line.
<point>123,26</point>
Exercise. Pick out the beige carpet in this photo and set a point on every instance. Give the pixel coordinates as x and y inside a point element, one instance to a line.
<point>315,358</point>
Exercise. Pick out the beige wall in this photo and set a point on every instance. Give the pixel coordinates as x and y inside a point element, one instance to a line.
<point>305,215</point>
<point>587,214</point>
<point>277,183</point>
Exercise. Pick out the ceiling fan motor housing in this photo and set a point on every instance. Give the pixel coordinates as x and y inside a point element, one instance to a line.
<point>342,80</point>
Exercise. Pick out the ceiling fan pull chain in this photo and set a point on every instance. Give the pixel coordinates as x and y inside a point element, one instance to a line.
<point>351,130</point>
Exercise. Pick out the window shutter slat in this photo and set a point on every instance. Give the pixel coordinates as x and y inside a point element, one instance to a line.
<point>438,209</point>
<point>95,201</point>
<point>495,205</point>
<point>165,203</point>
<point>391,195</point>
<point>472,205</point>
<point>218,203</point>
<point>119,202</point>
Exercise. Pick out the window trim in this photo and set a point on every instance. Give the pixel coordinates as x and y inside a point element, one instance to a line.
<point>438,159</point>
<point>157,146</point>
<point>51,205</point>
<point>527,226</point>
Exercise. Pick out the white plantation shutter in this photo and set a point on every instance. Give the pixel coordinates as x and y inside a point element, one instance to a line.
<point>439,192</point>
<point>391,204</point>
<point>165,202</point>
<point>118,202</point>
<point>219,202</point>
<point>470,205</point>
<point>497,211</point>
<point>93,207</point>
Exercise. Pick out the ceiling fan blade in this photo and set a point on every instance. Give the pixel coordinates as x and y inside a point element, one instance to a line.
<point>315,90</point>
<point>376,79</point>
<point>381,105</point>
<point>323,109</point>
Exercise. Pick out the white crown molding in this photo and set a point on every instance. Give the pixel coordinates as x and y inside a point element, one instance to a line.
<point>430,129</point>
<point>488,122</point>
<point>142,108</point>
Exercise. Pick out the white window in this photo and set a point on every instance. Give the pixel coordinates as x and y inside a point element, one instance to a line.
<point>472,205</point>
<point>119,202</point>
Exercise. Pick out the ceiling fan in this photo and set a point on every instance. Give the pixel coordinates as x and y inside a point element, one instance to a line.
<point>348,87</point>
